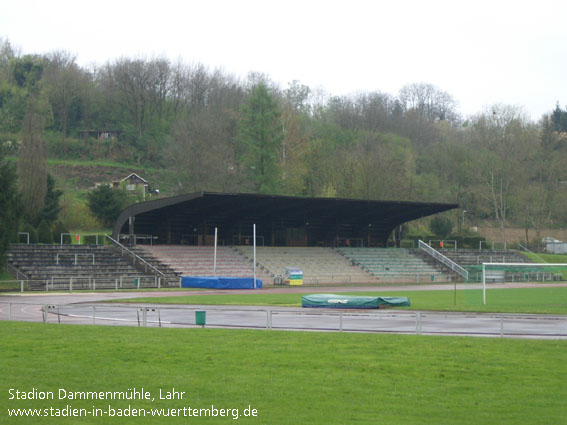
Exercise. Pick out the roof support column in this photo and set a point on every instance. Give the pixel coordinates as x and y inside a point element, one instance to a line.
<point>131,232</point>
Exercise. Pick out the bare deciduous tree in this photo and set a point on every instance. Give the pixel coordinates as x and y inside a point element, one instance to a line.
<point>431,103</point>
<point>32,165</point>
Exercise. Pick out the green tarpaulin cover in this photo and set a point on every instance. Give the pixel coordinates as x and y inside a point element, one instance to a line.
<point>350,301</point>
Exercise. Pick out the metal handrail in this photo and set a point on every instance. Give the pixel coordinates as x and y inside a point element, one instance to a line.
<point>123,248</point>
<point>443,260</point>
<point>15,270</point>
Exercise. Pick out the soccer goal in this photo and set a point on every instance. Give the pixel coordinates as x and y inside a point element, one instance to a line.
<point>521,272</point>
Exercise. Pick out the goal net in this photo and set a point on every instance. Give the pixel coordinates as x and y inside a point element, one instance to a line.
<point>517,272</point>
<point>487,273</point>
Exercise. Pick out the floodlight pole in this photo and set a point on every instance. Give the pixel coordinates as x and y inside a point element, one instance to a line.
<point>254,243</point>
<point>215,255</point>
<point>483,284</point>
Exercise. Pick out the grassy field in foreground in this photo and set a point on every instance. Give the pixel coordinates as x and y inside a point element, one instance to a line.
<point>289,377</point>
<point>525,300</point>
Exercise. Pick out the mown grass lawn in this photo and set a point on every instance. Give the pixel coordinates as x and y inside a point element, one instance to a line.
<point>289,377</point>
<point>546,258</point>
<point>7,282</point>
<point>550,300</point>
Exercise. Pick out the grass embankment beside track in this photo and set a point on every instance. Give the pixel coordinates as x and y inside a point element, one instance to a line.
<point>548,300</point>
<point>546,258</point>
<point>289,377</point>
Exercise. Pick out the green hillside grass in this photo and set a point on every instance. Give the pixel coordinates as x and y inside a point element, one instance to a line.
<point>546,258</point>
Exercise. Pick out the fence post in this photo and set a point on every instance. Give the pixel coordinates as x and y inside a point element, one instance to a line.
<point>71,284</point>
<point>341,321</point>
<point>45,313</point>
<point>116,284</point>
<point>10,311</point>
<point>418,323</point>
<point>501,326</point>
<point>21,286</point>
<point>94,315</point>
<point>144,312</point>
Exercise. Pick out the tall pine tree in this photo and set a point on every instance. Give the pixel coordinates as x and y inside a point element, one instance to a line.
<point>51,207</point>
<point>260,134</point>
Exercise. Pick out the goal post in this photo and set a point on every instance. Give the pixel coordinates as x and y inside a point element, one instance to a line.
<point>521,272</point>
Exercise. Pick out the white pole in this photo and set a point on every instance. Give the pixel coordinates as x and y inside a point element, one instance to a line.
<point>254,242</point>
<point>483,284</point>
<point>215,257</point>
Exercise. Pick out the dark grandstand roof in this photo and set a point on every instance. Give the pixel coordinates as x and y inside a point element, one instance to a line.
<point>322,219</point>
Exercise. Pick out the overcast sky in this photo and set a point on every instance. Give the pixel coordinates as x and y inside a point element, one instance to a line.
<point>481,52</point>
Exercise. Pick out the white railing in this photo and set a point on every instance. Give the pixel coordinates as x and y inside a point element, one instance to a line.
<point>57,256</point>
<point>444,260</point>
<point>442,242</point>
<point>80,237</point>
<point>135,257</point>
<point>13,270</point>
<point>486,243</point>
<point>137,237</point>
<point>375,321</point>
<point>85,282</point>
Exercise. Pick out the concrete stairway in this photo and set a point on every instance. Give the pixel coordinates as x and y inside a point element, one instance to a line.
<point>86,266</point>
<point>319,265</point>
<point>395,264</point>
<point>199,261</point>
<point>471,257</point>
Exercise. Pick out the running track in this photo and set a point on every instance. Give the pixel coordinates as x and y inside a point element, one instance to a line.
<point>91,308</point>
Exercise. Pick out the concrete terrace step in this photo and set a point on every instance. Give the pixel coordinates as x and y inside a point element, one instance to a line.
<point>199,261</point>
<point>64,262</point>
<point>392,262</point>
<point>323,265</point>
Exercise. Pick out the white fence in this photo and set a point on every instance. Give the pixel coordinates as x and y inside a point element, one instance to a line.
<point>86,283</point>
<point>376,321</point>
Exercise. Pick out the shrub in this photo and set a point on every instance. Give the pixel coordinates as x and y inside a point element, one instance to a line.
<point>58,229</point>
<point>441,226</point>
<point>28,228</point>
<point>44,234</point>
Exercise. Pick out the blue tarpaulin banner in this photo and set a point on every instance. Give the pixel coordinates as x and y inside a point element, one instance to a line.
<point>219,282</point>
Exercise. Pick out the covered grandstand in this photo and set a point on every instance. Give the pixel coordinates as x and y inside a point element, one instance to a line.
<point>308,234</point>
<point>291,221</point>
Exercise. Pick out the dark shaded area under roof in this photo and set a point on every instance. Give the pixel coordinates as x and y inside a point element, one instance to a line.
<point>280,220</point>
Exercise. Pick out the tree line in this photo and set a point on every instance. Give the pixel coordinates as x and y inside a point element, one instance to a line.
<point>216,132</point>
